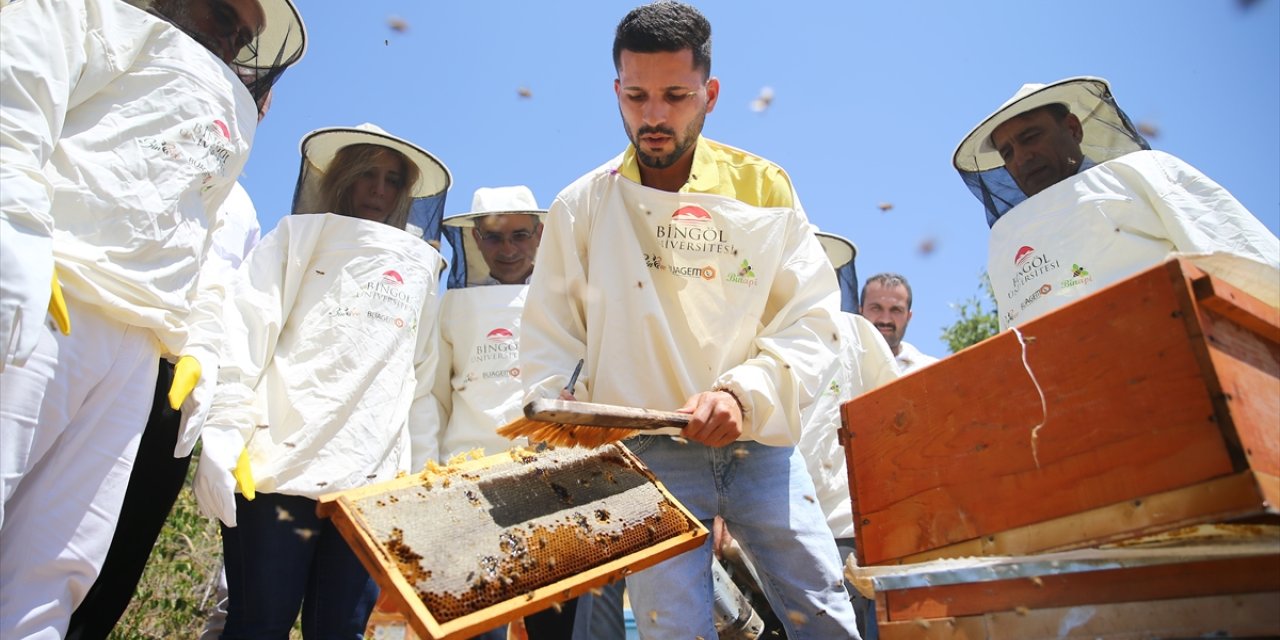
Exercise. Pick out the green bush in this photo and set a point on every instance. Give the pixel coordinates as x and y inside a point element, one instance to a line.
<point>975,323</point>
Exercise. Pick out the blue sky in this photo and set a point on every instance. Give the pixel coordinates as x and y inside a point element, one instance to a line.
<point>870,101</point>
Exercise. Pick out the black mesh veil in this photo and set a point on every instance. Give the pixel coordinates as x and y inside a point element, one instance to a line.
<point>842,254</point>
<point>463,246</point>
<point>425,218</point>
<point>1108,134</point>
<point>424,210</point>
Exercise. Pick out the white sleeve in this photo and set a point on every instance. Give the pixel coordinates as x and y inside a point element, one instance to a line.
<point>261,294</point>
<point>1201,217</point>
<point>235,220</point>
<point>47,50</point>
<point>876,365</point>
<point>226,250</point>
<point>796,349</point>
<point>426,416</point>
<point>553,330</point>
<point>442,387</point>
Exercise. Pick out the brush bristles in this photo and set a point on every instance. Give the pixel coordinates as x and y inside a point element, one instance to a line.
<point>558,434</point>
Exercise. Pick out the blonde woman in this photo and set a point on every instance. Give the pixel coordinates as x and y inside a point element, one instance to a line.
<point>328,365</point>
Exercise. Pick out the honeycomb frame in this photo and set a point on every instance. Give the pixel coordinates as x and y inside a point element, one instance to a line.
<point>476,544</point>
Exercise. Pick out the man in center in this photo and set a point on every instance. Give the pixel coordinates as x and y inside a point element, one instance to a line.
<point>686,275</point>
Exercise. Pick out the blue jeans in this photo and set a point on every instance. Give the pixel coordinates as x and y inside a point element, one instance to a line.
<point>282,558</point>
<point>766,498</point>
<point>865,607</point>
<point>600,617</point>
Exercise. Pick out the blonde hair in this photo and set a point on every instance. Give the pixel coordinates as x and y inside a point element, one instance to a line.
<point>347,166</point>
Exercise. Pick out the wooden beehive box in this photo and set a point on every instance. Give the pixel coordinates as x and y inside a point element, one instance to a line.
<point>1161,408</point>
<point>1207,581</point>
<point>466,548</point>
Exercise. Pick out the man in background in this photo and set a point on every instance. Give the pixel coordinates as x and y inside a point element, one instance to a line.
<point>886,302</point>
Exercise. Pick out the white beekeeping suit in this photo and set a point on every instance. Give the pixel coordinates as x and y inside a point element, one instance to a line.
<point>703,254</point>
<point>121,133</point>
<point>330,349</point>
<point>479,383</point>
<point>863,362</point>
<point>1126,209</point>
<point>237,232</point>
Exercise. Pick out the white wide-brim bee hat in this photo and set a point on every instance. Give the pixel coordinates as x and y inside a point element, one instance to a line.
<point>468,265</point>
<point>280,45</point>
<point>426,195</point>
<point>1108,134</point>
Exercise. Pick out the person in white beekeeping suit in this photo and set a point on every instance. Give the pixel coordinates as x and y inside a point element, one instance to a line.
<point>864,363</point>
<point>158,476</point>
<point>327,369</point>
<point>478,384</point>
<point>124,129</point>
<point>685,274</point>
<point>1076,200</point>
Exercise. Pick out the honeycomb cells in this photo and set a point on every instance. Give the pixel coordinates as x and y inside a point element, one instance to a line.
<point>521,523</point>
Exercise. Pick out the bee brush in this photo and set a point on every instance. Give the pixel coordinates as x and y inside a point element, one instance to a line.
<point>563,423</point>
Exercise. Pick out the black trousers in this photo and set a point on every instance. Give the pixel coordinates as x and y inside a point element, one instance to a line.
<point>153,488</point>
<point>550,624</point>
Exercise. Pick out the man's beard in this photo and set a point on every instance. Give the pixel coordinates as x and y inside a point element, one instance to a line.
<point>691,133</point>
<point>892,337</point>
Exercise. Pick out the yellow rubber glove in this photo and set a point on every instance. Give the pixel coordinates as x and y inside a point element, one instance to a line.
<point>58,307</point>
<point>244,475</point>
<point>185,376</point>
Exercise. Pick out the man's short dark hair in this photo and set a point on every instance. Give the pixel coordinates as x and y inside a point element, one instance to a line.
<point>887,281</point>
<point>663,27</point>
<point>1055,109</point>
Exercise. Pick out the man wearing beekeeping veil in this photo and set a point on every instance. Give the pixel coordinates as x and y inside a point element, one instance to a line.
<point>123,130</point>
<point>479,382</point>
<point>1076,200</point>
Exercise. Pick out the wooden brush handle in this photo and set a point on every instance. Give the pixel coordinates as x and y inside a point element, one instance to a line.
<point>589,414</point>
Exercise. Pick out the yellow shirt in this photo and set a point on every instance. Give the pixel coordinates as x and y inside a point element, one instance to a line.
<point>728,171</point>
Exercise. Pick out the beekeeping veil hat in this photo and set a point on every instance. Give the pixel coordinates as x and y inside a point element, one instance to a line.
<point>259,63</point>
<point>842,253</point>
<point>468,266</point>
<point>1108,134</point>
<point>281,44</point>
<point>426,195</point>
